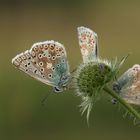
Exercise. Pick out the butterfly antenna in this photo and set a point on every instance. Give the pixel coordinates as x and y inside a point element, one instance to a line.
<point>45,98</point>
<point>74,70</point>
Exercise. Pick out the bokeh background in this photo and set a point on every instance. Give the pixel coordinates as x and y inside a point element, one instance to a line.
<point>24,22</point>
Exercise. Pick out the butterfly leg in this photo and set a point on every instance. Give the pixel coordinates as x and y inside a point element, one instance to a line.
<point>45,98</point>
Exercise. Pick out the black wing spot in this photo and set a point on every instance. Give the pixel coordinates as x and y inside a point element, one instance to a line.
<point>42,69</point>
<point>46,47</point>
<point>35,71</point>
<point>33,54</point>
<point>50,75</point>
<point>58,65</point>
<point>35,48</point>
<point>41,63</point>
<point>63,60</point>
<point>23,57</point>
<point>49,56</point>
<point>40,56</point>
<point>53,58</point>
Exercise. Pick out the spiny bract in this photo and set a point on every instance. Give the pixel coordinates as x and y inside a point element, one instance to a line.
<point>90,78</point>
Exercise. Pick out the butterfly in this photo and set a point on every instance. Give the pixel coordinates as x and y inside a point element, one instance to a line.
<point>88,42</point>
<point>128,85</point>
<point>47,62</point>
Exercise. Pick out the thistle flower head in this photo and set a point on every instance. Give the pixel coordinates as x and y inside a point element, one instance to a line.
<point>128,85</point>
<point>90,78</point>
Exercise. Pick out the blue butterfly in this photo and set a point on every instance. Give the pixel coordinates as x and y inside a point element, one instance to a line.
<point>47,62</point>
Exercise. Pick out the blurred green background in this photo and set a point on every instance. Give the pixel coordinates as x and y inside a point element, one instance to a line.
<point>23,22</point>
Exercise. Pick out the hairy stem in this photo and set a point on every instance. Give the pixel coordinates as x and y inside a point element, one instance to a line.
<point>123,102</point>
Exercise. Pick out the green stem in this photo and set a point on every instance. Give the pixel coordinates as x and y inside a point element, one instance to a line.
<point>123,102</point>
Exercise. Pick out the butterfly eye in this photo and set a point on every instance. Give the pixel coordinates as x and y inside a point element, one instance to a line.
<point>56,89</point>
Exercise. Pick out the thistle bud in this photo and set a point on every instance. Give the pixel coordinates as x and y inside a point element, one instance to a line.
<point>92,76</point>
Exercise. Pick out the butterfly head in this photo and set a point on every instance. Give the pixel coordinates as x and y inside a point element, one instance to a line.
<point>63,84</point>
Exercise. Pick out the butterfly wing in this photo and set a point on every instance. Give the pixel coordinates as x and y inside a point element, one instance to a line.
<point>88,41</point>
<point>132,91</point>
<point>128,85</point>
<point>45,61</point>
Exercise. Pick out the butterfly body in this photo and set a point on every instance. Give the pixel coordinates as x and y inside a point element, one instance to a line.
<point>47,62</point>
